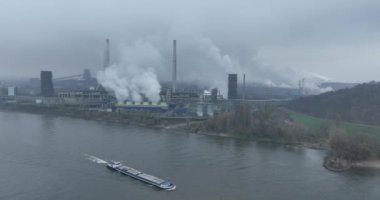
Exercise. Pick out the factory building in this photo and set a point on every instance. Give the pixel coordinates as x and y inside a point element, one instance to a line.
<point>141,106</point>
<point>214,95</point>
<point>86,98</point>
<point>12,91</point>
<point>47,89</point>
<point>232,86</point>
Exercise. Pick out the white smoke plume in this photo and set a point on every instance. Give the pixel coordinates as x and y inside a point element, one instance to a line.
<point>311,84</point>
<point>200,61</point>
<point>312,88</point>
<point>203,62</point>
<point>134,75</point>
<point>211,66</point>
<point>308,81</point>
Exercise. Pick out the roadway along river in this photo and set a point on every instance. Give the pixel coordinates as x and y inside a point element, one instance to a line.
<point>44,157</point>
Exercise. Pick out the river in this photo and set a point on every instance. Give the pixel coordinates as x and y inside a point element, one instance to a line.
<point>47,157</point>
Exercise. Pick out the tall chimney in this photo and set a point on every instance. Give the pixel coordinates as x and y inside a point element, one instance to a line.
<point>174,73</point>
<point>107,54</point>
<point>243,86</point>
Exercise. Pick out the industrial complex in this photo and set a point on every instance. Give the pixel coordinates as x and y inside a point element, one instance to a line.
<point>176,100</point>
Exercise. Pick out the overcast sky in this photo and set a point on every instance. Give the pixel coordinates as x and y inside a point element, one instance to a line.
<point>339,39</point>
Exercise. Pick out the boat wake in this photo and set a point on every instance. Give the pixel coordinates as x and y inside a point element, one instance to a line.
<point>95,159</point>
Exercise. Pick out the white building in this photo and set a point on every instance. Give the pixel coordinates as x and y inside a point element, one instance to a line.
<point>12,91</point>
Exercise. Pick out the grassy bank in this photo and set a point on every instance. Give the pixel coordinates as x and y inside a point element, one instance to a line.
<point>313,123</point>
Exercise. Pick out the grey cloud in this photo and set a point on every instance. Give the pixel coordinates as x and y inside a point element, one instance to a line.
<point>67,36</point>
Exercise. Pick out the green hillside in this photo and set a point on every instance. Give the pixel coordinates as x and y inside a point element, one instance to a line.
<point>360,104</point>
<point>313,123</point>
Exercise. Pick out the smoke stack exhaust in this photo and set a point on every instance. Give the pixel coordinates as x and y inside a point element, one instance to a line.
<point>174,73</point>
<point>107,54</point>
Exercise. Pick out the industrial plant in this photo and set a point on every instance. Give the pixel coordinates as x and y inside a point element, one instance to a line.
<point>176,99</point>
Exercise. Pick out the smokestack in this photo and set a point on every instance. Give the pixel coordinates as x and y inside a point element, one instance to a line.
<point>107,54</point>
<point>301,85</point>
<point>243,86</point>
<point>174,73</point>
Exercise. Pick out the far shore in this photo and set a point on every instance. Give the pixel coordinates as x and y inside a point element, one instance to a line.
<point>137,118</point>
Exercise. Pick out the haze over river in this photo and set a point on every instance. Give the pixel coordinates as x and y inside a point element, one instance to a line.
<point>46,157</point>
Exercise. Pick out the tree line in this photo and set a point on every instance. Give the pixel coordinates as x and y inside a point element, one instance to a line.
<point>276,124</point>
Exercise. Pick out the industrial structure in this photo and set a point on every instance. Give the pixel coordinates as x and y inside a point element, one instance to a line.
<point>93,98</point>
<point>160,107</point>
<point>12,91</point>
<point>177,99</point>
<point>107,57</point>
<point>232,86</point>
<point>76,82</point>
<point>174,72</point>
<point>243,86</point>
<point>214,95</point>
<point>47,89</point>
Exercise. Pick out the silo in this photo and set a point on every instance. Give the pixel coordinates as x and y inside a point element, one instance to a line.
<point>47,84</point>
<point>232,86</point>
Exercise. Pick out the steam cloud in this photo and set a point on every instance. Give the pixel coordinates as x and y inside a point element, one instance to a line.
<point>134,77</point>
<point>210,66</point>
<point>200,61</point>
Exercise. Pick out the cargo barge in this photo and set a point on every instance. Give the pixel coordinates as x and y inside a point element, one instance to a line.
<point>129,171</point>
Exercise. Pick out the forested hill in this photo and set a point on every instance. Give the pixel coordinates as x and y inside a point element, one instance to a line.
<point>360,104</point>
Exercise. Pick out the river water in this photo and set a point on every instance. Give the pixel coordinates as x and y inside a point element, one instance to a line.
<point>47,157</point>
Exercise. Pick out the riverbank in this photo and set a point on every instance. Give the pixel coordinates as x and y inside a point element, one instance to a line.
<point>336,164</point>
<point>371,164</point>
<point>342,165</point>
<point>199,128</point>
<point>135,118</point>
